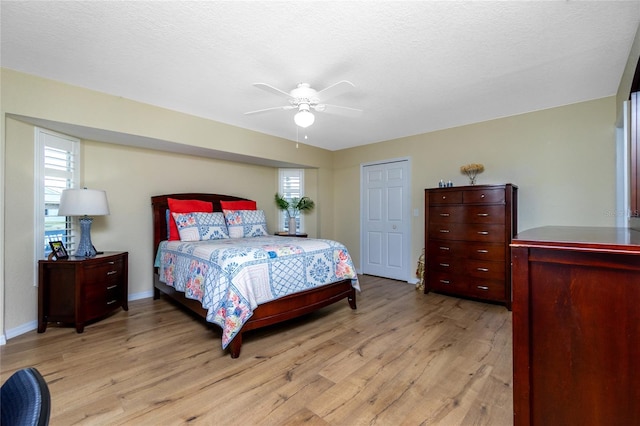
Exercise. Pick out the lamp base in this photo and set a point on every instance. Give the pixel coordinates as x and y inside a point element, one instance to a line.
<point>85,248</point>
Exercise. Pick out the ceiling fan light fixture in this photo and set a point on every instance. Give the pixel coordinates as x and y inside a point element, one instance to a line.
<point>304,118</point>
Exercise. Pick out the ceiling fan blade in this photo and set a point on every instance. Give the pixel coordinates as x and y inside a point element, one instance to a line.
<point>338,110</point>
<point>270,88</point>
<point>280,108</point>
<point>335,89</point>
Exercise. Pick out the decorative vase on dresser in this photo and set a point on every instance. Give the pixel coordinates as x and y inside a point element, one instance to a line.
<point>468,230</point>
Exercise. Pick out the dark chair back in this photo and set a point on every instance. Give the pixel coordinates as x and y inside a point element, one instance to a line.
<point>25,399</point>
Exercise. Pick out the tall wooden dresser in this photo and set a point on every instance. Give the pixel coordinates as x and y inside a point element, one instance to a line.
<point>468,230</point>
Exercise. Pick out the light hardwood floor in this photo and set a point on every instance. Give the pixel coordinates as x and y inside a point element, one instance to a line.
<point>402,358</point>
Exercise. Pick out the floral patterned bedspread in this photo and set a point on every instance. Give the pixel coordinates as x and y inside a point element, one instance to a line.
<point>231,277</point>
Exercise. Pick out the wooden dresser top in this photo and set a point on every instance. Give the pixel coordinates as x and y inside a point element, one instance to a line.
<point>584,238</point>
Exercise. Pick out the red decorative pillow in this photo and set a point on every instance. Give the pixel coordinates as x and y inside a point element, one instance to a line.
<point>185,206</point>
<point>238,205</point>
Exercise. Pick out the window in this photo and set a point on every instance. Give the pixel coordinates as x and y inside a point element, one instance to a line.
<point>57,168</point>
<point>291,185</point>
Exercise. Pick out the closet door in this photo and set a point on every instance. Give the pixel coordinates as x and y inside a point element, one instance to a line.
<point>385,218</point>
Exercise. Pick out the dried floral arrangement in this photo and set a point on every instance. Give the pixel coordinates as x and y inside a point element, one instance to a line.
<point>472,170</point>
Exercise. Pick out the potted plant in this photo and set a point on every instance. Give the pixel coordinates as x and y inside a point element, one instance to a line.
<point>293,207</point>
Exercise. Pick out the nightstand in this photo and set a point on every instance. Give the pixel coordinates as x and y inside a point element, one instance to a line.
<point>78,290</point>
<point>286,234</point>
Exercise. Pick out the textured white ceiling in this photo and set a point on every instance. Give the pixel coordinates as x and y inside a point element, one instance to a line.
<point>418,66</point>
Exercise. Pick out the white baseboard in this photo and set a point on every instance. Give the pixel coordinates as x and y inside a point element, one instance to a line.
<point>142,295</point>
<point>21,329</point>
<point>32,325</point>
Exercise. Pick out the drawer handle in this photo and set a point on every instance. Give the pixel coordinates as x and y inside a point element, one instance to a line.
<point>483,269</point>
<point>444,248</point>
<point>111,287</point>
<point>444,231</point>
<point>111,302</point>
<point>482,196</point>
<point>444,214</point>
<point>445,281</point>
<point>483,232</point>
<point>112,272</point>
<point>111,262</point>
<point>482,251</point>
<point>446,265</point>
<point>483,214</point>
<point>483,287</point>
<point>444,197</point>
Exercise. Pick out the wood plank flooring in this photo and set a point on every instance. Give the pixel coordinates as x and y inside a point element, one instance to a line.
<point>402,358</point>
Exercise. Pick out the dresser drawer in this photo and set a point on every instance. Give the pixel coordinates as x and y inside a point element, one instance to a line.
<point>466,250</point>
<point>444,263</point>
<point>467,214</point>
<point>483,289</point>
<point>485,195</point>
<point>472,232</point>
<point>484,269</point>
<point>445,197</point>
<point>486,251</point>
<point>442,281</point>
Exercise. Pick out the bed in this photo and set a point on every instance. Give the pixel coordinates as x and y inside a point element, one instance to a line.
<point>288,304</point>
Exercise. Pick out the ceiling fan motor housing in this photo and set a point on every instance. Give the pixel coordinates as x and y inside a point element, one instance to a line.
<point>303,94</point>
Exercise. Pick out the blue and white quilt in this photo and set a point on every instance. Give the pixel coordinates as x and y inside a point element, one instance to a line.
<point>231,277</point>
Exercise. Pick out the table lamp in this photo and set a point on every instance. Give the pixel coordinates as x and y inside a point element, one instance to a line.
<point>84,202</point>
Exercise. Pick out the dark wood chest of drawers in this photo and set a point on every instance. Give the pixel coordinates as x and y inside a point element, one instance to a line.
<point>77,290</point>
<point>576,326</point>
<point>467,235</point>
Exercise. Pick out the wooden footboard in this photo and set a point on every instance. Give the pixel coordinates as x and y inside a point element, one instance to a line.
<point>283,309</point>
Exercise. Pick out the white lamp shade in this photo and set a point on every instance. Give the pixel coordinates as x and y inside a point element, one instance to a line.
<point>83,202</point>
<point>304,118</point>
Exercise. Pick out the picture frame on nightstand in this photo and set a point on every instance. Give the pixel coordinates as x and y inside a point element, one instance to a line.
<point>59,252</point>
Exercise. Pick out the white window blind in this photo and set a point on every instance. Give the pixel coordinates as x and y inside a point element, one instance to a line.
<point>291,185</point>
<point>57,168</point>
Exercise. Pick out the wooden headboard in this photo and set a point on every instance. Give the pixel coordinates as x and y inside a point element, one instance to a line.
<point>160,205</point>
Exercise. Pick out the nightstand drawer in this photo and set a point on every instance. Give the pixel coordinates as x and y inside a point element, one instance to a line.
<point>107,271</point>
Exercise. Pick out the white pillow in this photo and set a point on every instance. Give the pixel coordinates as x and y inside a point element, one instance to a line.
<point>201,226</point>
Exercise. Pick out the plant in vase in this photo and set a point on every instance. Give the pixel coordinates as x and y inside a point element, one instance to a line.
<point>472,170</point>
<point>293,207</point>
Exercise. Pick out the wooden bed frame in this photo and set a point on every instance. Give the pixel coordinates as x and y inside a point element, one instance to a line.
<point>269,313</point>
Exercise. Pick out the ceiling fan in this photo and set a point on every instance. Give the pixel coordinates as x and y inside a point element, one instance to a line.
<point>304,99</point>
